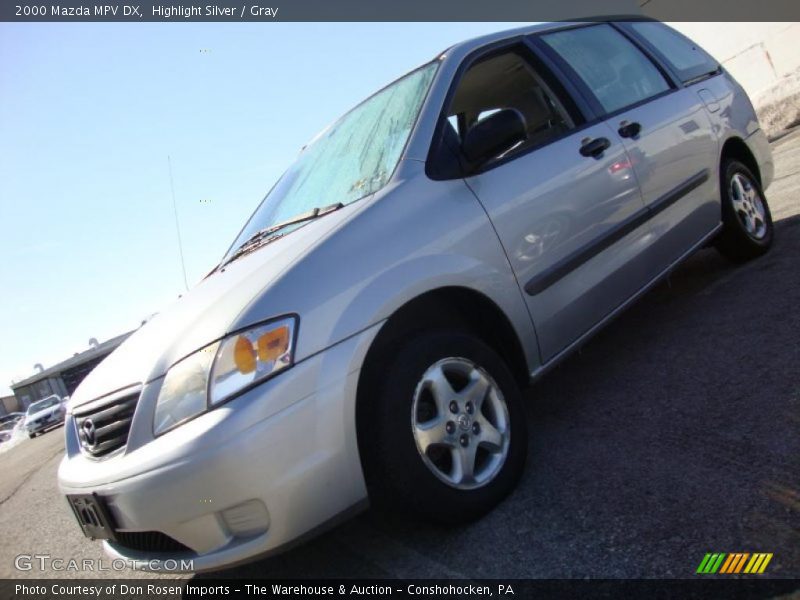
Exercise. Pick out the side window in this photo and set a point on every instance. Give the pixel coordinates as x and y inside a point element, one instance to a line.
<point>688,60</point>
<point>508,80</point>
<point>615,70</point>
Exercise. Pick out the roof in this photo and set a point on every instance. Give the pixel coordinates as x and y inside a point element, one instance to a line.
<point>82,357</point>
<point>476,42</point>
<point>468,45</point>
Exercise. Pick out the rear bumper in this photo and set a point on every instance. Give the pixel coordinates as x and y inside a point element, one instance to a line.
<point>244,486</point>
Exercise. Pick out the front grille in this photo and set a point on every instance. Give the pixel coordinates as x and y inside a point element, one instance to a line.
<point>103,426</point>
<point>149,541</point>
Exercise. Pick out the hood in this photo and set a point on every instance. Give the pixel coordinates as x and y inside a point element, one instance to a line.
<point>203,315</point>
<point>43,413</point>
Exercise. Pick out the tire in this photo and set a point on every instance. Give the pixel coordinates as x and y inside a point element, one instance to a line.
<point>31,435</point>
<point>747,229</point>
<point>407,400</point>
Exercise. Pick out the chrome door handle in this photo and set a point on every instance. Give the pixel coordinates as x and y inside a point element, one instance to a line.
<point>594,147</point>
<point>628,129</point>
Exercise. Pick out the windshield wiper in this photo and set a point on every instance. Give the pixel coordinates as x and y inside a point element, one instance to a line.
<point>268,234</point>
<point>701,77</point>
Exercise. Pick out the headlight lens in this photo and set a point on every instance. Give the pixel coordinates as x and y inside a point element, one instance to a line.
<point>215,373</point>
<point>250,356</point>
<point>183,392</point>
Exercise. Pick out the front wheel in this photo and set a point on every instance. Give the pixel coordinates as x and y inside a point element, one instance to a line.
<point>747,229</point>
<point>445,434</point>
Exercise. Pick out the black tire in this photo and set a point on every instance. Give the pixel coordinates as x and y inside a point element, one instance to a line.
<point>31,435</point>
<point>735,241</point>
<point>397,474</point>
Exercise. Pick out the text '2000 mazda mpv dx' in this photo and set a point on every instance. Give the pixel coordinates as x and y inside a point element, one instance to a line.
<point>429,254</point>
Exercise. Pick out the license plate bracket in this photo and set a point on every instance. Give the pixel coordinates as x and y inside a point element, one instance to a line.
<point>93,516</point>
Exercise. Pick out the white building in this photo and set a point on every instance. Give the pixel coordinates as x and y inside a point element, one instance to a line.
<point>764,58</point>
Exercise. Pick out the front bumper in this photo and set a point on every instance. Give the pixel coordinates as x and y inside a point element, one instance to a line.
<point>42,425</point>
<point>244,479</point>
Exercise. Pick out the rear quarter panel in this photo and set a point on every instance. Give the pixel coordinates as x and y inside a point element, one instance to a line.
<point>736,118</point>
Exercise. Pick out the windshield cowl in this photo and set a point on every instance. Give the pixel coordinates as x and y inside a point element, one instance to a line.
<point>274,232</point>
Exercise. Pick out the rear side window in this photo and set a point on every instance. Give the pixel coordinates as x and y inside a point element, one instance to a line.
<point>615,70</point>
<point>686,58</point>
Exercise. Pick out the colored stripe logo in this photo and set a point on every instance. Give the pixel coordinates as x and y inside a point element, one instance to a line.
<point>733,563</point>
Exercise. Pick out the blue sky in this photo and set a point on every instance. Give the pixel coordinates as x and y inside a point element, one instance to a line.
<point>89,114</point>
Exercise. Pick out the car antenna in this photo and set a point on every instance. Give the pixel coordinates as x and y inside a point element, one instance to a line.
<point>177,225</point>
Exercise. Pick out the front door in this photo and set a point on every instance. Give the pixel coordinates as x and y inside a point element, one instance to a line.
<point>565,203</point>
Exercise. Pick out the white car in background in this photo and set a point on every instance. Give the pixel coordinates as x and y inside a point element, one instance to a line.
<point>44,414</point>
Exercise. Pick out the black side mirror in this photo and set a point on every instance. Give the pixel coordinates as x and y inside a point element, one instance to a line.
<point>493,135</point>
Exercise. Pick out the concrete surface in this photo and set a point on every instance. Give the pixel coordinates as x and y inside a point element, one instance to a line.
<point>671,434</point>
<point>778,107</point>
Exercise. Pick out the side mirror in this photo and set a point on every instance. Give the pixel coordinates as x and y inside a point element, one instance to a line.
<point>493,135</point>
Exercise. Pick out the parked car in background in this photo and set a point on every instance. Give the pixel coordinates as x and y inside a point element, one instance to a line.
<point>427,256</point>
<point>13,417</point>
<point>9,424</point>
<point>7,430</point>
<point>44,414</point>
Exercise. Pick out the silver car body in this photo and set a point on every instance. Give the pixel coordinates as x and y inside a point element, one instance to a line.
<point>289,446</point>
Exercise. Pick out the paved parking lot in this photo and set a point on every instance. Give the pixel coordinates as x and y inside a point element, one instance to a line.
<point>673,433</point>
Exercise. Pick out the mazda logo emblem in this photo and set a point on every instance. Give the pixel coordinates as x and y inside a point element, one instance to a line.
<point>88,432</point>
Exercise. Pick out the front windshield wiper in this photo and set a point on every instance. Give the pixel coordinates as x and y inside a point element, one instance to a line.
<point>268,234</point>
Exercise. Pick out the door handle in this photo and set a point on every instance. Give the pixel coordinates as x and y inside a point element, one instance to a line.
<point>594,147</point>
<point>629,129</point>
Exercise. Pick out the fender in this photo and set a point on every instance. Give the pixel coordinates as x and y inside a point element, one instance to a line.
<point>399,245</point>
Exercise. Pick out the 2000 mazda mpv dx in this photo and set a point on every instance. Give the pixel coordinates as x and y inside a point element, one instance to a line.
<point>429,254</point>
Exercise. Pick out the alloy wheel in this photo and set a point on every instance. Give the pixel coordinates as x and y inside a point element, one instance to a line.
<point>460,423</point>
<point>748,206</point>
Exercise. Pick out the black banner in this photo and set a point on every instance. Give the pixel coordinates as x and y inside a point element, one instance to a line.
<point>214,589</point>
<point>393,10</point>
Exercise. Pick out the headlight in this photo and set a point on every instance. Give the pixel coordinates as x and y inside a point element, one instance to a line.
<point>222,370</point>
<point>251,356</point>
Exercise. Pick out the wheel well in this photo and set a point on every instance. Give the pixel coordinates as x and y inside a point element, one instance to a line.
<point>737,149</point>
<point>443,308</point>
<point>456,307</point>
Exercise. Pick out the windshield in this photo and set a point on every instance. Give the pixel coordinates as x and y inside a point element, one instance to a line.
<point>42,404</point>
<point>349,160</point>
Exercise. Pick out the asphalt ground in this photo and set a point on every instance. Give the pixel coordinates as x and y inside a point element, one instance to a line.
<point>673,433</point>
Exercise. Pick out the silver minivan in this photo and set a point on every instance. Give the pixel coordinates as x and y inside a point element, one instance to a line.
<point>368,334</point>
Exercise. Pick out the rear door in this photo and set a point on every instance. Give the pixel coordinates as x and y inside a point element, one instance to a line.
<point>663,126</point>
<point>564,203</point>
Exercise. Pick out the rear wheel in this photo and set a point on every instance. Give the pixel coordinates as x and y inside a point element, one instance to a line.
<point>445,434</point>
<point>747,229</point>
